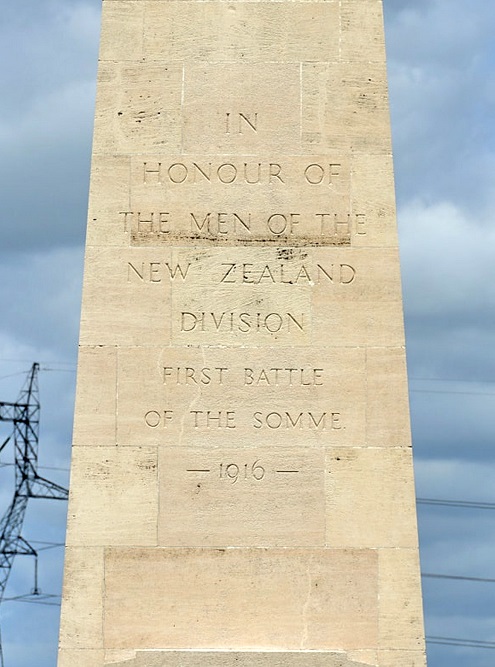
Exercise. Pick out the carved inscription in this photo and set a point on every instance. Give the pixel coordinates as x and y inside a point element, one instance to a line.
<point>331,222</point>
<point>265,274</point>
<point>153,418</point>
<point>243,322</point>
<point>259,416</point>
<point>199,201</point>
<point>246,172</point>
<point>156,272</point>
<point>242,472</point>
<point>246,273</point>
<point>283,377</point>
<point>261,402</point>
<point>244,227</point>
<point>226,173</point>
<point>234,471</point>
<point>188,375</point>
<point>213,418</point>
<point>318,174</point>
<point>240,122</point>
<point>249,376</point>
<point>259,420</point>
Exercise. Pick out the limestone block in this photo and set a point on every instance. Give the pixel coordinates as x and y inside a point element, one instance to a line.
<point>247,116</point>
<point>385,324</point>
<point>270,598</point>
<point>401,617</point>
<point>249,316</point>
<point>370,498</point>
<point>94,420</point>
<point>109,197</point>
<point>401,658</point>
<point>373,194</point>
<point>124,479</point>
<point>241,497</point>
<point>241,31</point>
<point>82,601</point>
<point>362,323</point>
<point>116,308</point>
<point>359,275</point>
<point>387,420</point>
<point>345,107</point>
<point>122,30</point>
<point>212,397</point>
<point>138,107</point>
<point>80,657</point>
<point>362,36</point>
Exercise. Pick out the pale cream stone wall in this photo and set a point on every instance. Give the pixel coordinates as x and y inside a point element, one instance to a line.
<point>242,489</point>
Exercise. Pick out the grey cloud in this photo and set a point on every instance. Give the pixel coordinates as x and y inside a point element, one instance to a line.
<point>448,278</point>
<point>40,297</point>
<point>440,62</point>
<point>47,45</point>
<point>447,260</point>
<point>461,427</point>
<point>44,168</point>
<point>46,122</point>
<point>449,33</point>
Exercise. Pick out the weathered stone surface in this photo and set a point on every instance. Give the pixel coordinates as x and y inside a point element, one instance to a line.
<point>80,657</point>
<point>242,489</point>
<point>241,498</point>
<point>95,410</point>
<point>124,479</point>
<point>214,396</point>
<point>237,659</point>
<point>315,597</point>
<point>378,478</point>
<point>81,623</point>
<point>401,622</point>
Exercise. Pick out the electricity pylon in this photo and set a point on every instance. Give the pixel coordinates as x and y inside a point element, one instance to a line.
<point>24,416</point>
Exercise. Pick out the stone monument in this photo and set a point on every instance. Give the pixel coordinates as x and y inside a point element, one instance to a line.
<point>242,487</point>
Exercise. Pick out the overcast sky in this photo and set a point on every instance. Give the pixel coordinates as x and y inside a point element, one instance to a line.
<point>442,88</point>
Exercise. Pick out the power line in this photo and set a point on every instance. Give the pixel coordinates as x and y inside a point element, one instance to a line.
<point>456,503</point>
<point>6,465</point>
<point>59,370</point>
<point>11,375</point>
<point>36,598</point>
<point>457,577</point>
<point>452,380</point>
<point>47,545</point>
<point>29,361</point>
<point>455,641</point>
<point>450,391</point>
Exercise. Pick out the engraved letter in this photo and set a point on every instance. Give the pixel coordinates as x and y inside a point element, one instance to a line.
<point>173,270</point>
<point>249,121</point>
<point>229,271</point>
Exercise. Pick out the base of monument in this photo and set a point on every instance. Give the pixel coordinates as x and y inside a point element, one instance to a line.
<point>248,658</point>
<point>236,658</point>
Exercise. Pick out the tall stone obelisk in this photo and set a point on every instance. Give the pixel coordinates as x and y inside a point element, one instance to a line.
<point>242,486</point>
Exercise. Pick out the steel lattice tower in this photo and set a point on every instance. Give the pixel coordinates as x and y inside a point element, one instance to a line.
<point>24,415</point>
